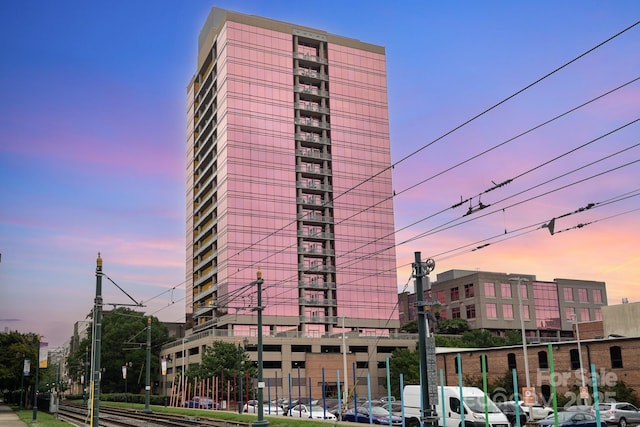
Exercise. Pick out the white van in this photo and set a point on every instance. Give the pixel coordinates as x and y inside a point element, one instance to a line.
<point>473,403</point>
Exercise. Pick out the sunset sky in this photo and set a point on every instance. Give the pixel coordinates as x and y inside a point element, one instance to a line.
<point>483,106</point>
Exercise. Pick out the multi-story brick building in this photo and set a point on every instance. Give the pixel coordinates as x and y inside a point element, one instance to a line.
<point>493,301</point>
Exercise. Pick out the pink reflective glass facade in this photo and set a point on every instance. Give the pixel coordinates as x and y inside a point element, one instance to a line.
<point>279,178</point>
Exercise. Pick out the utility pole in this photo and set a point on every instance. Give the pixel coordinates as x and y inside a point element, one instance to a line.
<point>261,422</point>
<point>97,337</point>
<point>420,271</point>
<point>147,387</point>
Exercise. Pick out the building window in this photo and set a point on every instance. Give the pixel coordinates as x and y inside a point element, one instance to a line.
<point>616,356</point>
<point>507,311</point>
<point>543,361</point>
<point>511,361</point>
<point>440,296</point>
<point>525,312</point>
<point>505,289</point>
<point>455,313</point>
<point>492,311</point>
<point>455,363</point>
<point>471,311</point>
<point>486,362</point>
<point>575,359</point>
<point>545,389</point>
<point>570,313</point>
<point>584,314</point>
<point>524,291</point>
<point>454,294</point>
<point>597,313</point>
<point>597,295</point>
<point>582,295</point>
<point>468,290</point>
<point>568,294</point>
<point>489,289</point>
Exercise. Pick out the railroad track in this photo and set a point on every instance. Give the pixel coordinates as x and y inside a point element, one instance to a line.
<point>77,414</point>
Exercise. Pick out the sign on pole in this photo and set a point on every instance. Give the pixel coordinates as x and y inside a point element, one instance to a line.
<point>529,395</point>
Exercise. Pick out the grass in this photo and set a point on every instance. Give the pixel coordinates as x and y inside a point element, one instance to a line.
<point>227,415</point>
<point>43,419</point>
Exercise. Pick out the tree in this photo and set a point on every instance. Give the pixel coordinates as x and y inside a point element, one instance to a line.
<point>410,327</point>
<point>124,338</point>
<point>14,348</point>
<point>224,360</point>
<point>453,326</point>
<point>406,362</point>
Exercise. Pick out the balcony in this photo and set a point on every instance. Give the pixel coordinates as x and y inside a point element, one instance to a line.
<point>315,285</point>
<point>311,74</point>
<point>313,154</point>
<point>310,58</point>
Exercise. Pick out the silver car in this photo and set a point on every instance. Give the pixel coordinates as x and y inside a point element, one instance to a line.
<point>619,413</point>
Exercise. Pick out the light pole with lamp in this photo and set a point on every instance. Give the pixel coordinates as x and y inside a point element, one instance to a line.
<point>519,281</point>
<point>583,388</point>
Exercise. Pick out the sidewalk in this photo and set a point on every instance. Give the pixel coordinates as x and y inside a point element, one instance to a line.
<point>8,418</point>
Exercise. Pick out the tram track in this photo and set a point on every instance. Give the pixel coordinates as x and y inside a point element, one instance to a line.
<point>78,415</point>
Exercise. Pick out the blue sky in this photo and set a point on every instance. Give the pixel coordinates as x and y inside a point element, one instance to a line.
<point>92,142</point>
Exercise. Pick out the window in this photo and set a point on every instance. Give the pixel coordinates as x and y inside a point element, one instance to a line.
<point>489,289</point>
<point>455,313</point>
<point>597,313</point>
<point>455,363</point>
<point>543,361</point>
<point>597,295</point>
<point>525,312</point>
<point>507,311</point>
<point>440,297</point>
<point>584,315</point>
<point>570,313</point>
<point>616,356</point>
<point>511,361</point>
<point>492,311</point>
<point>483,357</point>
<point>524,291</point>
<point>468,290</point>
<point>454,294</point>
<point>582,295</point>
<point>574,357</point>
<point>505,289</point>
<point>568,294</point>
<point>471,311</point>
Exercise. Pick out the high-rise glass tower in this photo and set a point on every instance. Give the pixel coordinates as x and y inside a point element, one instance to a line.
<point>288,172</point>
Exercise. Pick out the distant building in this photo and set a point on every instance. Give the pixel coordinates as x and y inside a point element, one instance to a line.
<point>491,301</point>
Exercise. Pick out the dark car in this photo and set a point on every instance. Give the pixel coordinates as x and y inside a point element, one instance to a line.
<point>572,419</point>
<point>377,416</point>
<point>199,402</point>
<point>509,410</point>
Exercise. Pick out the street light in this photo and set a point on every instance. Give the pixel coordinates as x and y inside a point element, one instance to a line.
<point>576,323</point>
<point>524,335</point>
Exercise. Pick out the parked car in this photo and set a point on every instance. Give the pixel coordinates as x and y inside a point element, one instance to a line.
<point>619,413</point>
<point>199,402</point>
<point>509,409</point>
<point>268,408</point>
<point>317,412</point>
<point>378,415</point>
<point>579,408</point>
<point>538,411</point>
<point>572,419</point>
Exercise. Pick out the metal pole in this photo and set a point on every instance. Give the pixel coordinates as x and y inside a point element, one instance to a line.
<point>580,355</point>
<point>97,338</point>
<point>147,387</point>
<point>524,343</point>
<point>261,421</point>
<point>422,335</point>
<point>35,388</point>
<point>344,366</point>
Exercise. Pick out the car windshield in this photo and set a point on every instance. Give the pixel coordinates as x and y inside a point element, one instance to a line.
<point>476,404</point>
<point>563,416</point>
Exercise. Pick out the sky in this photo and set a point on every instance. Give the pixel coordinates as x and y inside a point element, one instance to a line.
<point>483,111</point>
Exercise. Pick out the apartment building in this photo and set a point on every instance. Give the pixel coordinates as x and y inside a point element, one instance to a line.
<point>288,173</point>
